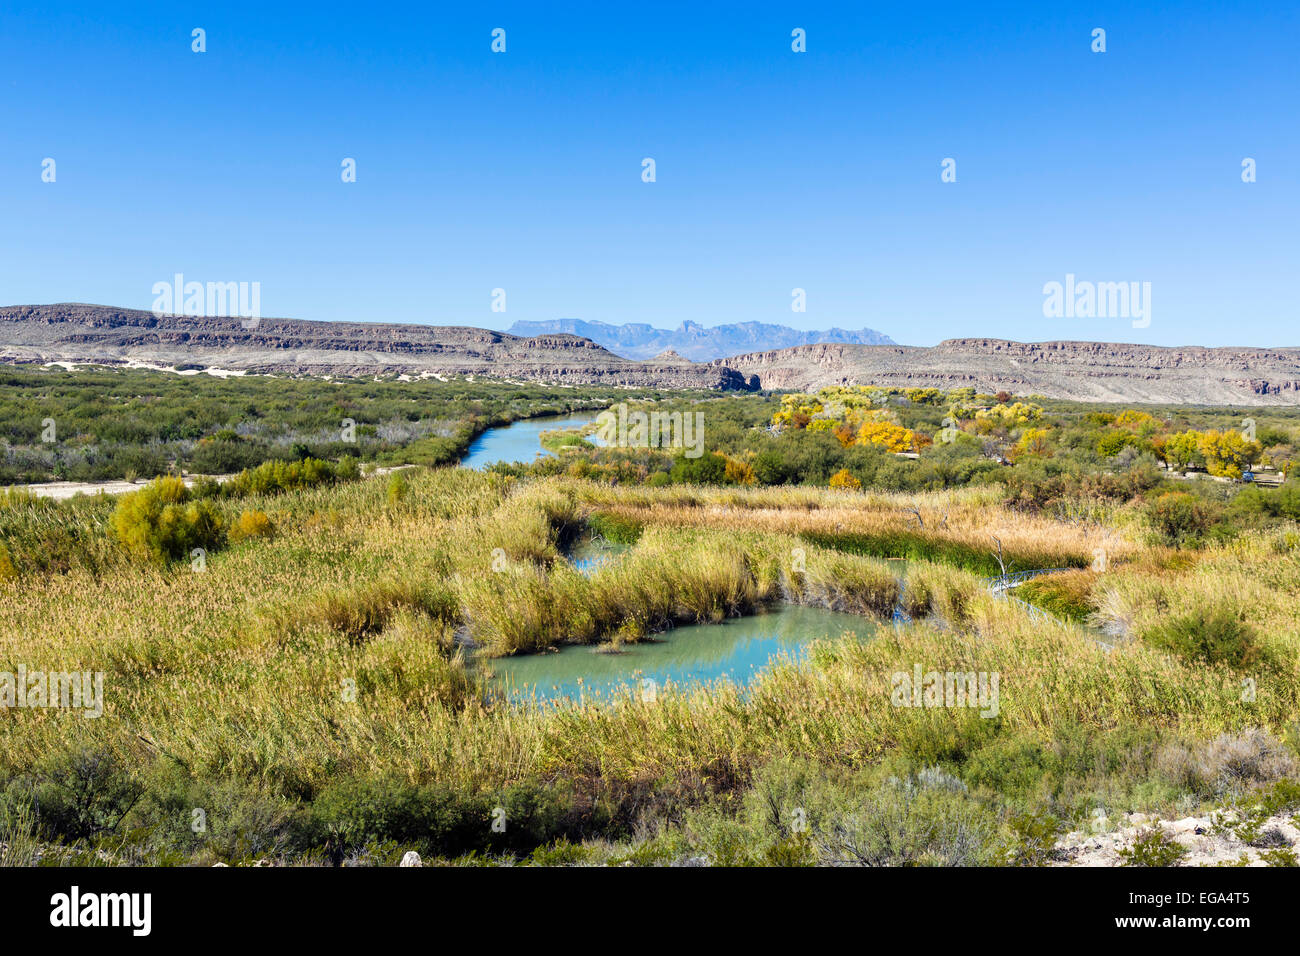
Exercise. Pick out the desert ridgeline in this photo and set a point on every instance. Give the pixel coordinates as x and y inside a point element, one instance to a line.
<point>283,644</point>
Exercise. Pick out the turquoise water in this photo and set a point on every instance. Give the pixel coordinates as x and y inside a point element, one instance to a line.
<point>700,653</point>
<point>519,441</point>
<point>588,554</point>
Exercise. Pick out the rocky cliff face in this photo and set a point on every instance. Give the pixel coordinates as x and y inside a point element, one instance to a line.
<point>74,332</point>
<point>1083,371</point>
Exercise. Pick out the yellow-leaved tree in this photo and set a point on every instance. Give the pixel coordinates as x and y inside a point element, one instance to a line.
<point>886,434</point>
<point>1227,454</point>
<point>842,479</point>
<point>1033,443</point>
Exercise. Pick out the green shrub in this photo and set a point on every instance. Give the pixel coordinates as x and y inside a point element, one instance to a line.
<point>1215,635</point>
<point>708,469</point>
<point>438,820</point>
<point>273,477</point>
<point>241,820</point>
<point>1153,848</point>
<point>1178,518</point>
<point>160,523</point>
<point>1280,856</point>
<point>1034,834</point>
<point>909,823</point>
<point>79,794</point>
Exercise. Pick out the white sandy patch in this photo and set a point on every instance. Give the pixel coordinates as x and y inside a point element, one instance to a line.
<point>69,489</point>
<point>133,364</point>
<point>1205,848</point>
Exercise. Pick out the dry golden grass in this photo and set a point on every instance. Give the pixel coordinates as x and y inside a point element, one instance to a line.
<point>969,517</point>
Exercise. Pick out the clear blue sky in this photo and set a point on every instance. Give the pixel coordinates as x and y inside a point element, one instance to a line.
<point>775,170</point>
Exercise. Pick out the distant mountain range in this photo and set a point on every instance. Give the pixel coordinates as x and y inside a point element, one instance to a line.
<point>74,333</point>
<point>693,341</point>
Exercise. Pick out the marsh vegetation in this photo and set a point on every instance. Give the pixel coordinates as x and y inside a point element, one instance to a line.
<point>320,687</point>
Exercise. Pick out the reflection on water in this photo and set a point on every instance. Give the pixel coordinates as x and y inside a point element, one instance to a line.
<point>591,552</point>
<point>700,653</point>
<point>521,441</point>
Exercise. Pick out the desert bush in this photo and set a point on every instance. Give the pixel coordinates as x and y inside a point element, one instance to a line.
<point>1153,847</point>
<point>1247,817</point>
<point>160,523</point>
<point>274,477</point>
<point>81,793</point>
<point>906,823</point>
<point>1231,762</point>
<point>437,819</point>
<point>239,821</point>
<point>1033,837</point>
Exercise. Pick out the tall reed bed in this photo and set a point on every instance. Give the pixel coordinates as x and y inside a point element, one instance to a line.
<point>330,653</point>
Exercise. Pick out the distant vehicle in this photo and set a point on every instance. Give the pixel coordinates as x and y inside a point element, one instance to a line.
<point>1247,476</point>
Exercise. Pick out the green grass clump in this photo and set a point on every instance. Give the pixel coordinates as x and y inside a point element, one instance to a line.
<point>1213,635</point>
<point>1066,594</point>
<point>615,528</point>
<point>935,548</point>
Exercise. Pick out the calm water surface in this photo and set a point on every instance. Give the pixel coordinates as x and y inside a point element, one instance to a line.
<point>699,653</point>
<point>521,441</point>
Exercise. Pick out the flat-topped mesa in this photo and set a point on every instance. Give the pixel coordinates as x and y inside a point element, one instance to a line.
<point>81,333</point>
<point>1081,371</point>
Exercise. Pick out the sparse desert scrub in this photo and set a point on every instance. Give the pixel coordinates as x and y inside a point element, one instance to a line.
<point>1227,765</point>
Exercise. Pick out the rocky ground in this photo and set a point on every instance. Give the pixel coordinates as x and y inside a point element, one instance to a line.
<point>1206,844</point>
